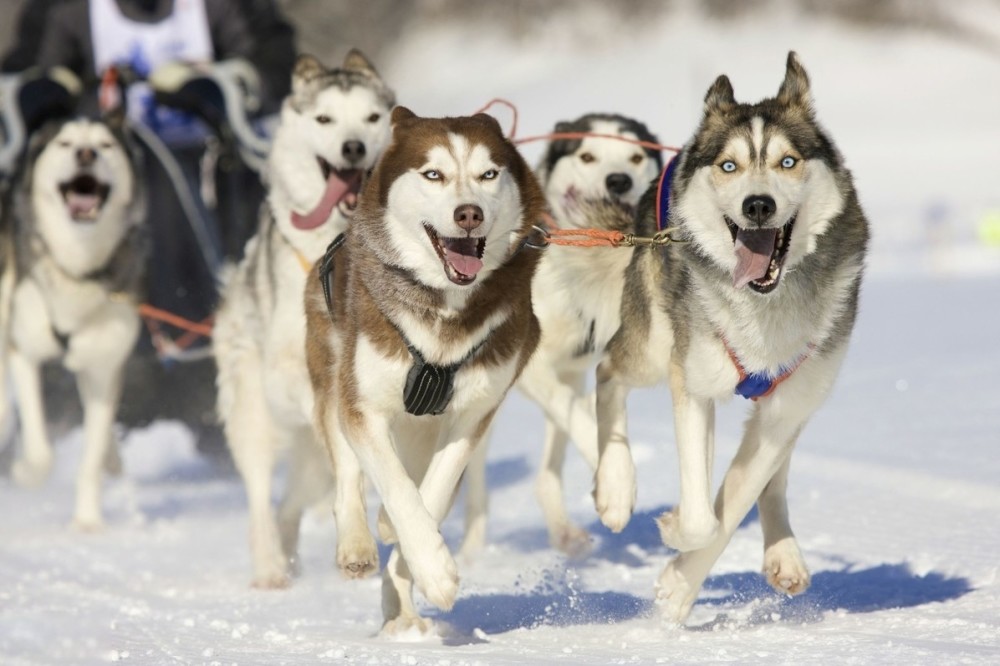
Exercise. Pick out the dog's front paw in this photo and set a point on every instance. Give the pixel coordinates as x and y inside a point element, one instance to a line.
<point>434,572</point>
<point>271,580</point>
<point>785,568</point>
<point>686,535</point>
<point>31,472</point>
<point>357,554</point>
<point>674,594</point>
<point>271,572</point>
<point>87,524</point>
<point>574,541</point>
<point>408,626</point>
<point>614,488</point>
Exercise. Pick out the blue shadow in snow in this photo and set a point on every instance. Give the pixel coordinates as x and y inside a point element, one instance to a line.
<point>881,587</point>
<point>641,536</point>
<point>507,472</point>
<point>500,613</point>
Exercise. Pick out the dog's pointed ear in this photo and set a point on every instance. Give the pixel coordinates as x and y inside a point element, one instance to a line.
<point>491,121</point>
<point>563,127</point>
<point>357,61</point>
<point>115,118</point>
<point>401,114</point>
<point>720,96</point>
<point>307,69</point>
<point>794,89</point>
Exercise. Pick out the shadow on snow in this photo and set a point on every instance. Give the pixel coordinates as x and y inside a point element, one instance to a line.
<point>882,587</point>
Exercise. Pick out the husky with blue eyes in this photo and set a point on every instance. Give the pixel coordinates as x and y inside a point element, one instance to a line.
<point>759,301</point>
<point>419,320</point>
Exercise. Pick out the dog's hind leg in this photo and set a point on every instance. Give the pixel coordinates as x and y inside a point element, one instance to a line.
<point>692,524</point>
<point>476,502</point>
<point>35,460</point>
<point>357,552</point>
<point>568,414</point>
<point>309,480</point>
<point>564,535</point>
<point>784,566</point>
<point>614,483</point>
<point>251,435</point>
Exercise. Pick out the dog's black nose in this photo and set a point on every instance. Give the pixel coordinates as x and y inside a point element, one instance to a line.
<point>618,183</point>
<point>469,216</point>
<point>353,151</point>
<point>85,157</point>
<point>759,208</point>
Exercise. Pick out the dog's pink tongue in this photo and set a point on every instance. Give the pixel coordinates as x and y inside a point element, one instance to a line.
<point>335,190</point>
<point>463,263</point>
<point>753,255</point>
<point>82,205</point>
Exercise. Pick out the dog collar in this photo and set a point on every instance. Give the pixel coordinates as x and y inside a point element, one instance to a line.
<point>754,386</point>
<point>663,193</point>
<point>429,387</point>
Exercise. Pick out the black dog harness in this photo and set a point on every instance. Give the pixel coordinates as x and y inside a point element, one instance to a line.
<point>429,387</point>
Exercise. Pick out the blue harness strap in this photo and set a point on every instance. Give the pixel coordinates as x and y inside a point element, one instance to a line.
<point>663,193</point>
<point>754,386</point>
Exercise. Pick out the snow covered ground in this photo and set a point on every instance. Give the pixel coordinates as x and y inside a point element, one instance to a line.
<point>893,492</point>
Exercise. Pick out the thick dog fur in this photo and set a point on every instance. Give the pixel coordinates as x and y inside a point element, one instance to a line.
<point>749,168</point>
<point>74,259</point>
<point>339,117</point>
<point>399,283</point>
<point>588,183</point>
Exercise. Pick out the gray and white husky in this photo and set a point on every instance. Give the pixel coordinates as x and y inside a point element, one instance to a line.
<point>593,182</point>
<point>74,256</point>
<point>333,127</point>
<point>760,300</point>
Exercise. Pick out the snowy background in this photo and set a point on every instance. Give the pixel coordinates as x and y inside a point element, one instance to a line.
<point>894,491</point>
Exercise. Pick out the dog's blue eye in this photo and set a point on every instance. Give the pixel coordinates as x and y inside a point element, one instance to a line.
<point>490,175</point>
<point>728,166</point>
<point>431,174</point>
<point>789,162</point>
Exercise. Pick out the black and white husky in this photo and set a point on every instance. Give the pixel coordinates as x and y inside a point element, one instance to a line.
<point>759,301</point>
<point>593,182</point>
<point>333,127</point>
<point>74,257</point>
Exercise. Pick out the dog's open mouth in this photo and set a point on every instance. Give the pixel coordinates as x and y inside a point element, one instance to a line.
<point>84,196</point>
<point>462,258</point>
<point>342,187</point>
<point>760,255</point>
<point>350,178</point>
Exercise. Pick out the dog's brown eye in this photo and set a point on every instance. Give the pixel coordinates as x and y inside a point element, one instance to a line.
<point>374,118</point>
<point>587,158</point>
<point>324,119</point>
<point>64,144</point>
<point>105,145</point>
<point>637,158</point>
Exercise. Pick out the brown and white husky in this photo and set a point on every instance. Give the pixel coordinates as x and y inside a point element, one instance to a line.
<point>417,326</point>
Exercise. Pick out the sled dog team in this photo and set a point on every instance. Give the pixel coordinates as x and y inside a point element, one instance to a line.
<point>396,290</point>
